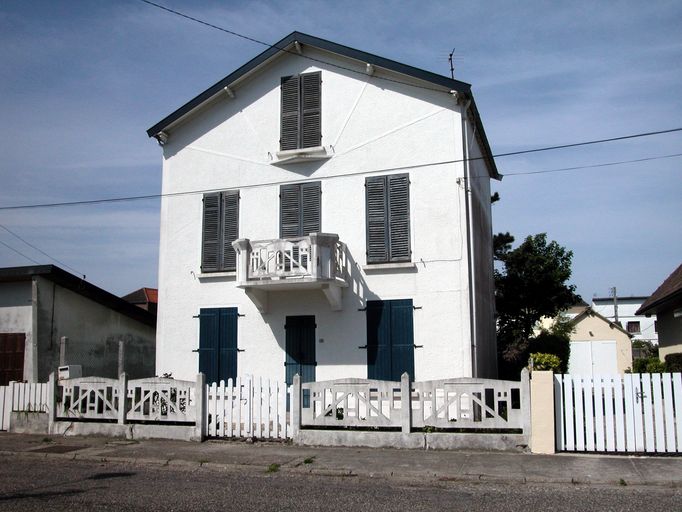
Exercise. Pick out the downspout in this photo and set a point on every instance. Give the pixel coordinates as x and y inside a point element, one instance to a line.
<point>470,245</point>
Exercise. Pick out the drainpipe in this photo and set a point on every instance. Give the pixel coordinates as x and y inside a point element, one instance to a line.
<point>470,245</point>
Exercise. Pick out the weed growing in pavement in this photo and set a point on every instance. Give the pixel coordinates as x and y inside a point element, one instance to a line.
<point>273,468</point>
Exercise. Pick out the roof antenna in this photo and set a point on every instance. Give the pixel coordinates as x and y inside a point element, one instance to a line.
<point>452,66</point>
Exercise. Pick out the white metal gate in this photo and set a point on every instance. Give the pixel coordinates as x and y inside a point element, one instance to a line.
<point>621,413</point>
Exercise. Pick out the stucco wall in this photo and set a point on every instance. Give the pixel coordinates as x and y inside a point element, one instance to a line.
<point>375,128</point>
<point>670,332</point>
<point>16,316</point>
<point>93,332</point>
<point>592,328</point>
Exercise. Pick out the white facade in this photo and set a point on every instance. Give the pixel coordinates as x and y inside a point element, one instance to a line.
<point>640,327</point>
<point>370,127</point>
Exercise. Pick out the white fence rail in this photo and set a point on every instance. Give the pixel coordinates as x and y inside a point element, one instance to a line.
<point>628,413</point>
<point>161,400</point>
<point>247,407</point>
<point>22,397</point>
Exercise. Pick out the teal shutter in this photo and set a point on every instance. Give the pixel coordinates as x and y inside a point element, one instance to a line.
<point>390,339</point>
<point>218,343</point>
<point>300,350</point>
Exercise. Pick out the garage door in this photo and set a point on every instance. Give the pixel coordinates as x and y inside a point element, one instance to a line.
<point>593,358</point>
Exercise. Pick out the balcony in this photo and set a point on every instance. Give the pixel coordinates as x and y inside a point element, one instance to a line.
<point>313,262</point>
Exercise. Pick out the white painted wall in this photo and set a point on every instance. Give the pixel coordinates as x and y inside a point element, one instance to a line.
<point>375,128</point>
<point>627,306</point>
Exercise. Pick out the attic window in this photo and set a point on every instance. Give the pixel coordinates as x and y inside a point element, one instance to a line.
<point>301,111</point>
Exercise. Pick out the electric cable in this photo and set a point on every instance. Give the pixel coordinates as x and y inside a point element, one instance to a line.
<point>19,252</point>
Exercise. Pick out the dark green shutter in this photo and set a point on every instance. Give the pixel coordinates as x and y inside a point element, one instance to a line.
<point>399,217</point>
<point>388,218</point>
<point>230,229</point>
<point>300,209</point>
<point>218,343</point>
<point>290,112</point>
<point>300,351</point>
<point>210,240</point>
<point>311,133</point>
<point>390,339</point>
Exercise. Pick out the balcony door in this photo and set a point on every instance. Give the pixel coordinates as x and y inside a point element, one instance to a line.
<point>300,349</point>
<point>390,339</point>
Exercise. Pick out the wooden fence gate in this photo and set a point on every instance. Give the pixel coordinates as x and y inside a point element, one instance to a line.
<point>631,413</point>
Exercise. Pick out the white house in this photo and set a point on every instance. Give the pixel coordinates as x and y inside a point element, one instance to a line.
<point>624,311</point>
<point>326,212</point>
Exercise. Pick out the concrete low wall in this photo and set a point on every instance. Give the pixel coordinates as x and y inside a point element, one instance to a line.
<point>414,440</point>
<point>129,431</point>
<point>28,423</point>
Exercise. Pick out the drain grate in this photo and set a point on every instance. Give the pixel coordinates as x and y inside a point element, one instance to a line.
<point>59,448</point>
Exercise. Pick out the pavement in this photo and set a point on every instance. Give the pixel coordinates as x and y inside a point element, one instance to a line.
<point>414,465</point>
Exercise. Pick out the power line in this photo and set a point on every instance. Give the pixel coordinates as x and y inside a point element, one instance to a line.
<point>268,45</point>
<point>41,251</point>
<point>273,183</point>
<point>19,252</point>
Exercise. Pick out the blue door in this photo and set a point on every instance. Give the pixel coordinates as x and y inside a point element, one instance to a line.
<point>218,343</point>
<point>390,339</point>
<point>300,350</point>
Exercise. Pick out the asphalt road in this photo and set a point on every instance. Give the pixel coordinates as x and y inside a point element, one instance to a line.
<point>53,485</point>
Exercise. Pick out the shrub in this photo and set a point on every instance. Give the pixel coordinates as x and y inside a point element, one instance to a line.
<point>673,362</point>
<point>648,365</point>
<point>540,361</point>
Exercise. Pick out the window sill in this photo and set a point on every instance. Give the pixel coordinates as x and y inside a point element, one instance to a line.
<point>216,275</point>
<point>380,267</point>
<point>291,156</point>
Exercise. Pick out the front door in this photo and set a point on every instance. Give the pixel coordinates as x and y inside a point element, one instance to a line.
<point>390,339</point>
<point>300,350</point>
<point>12,347</point>
<point>218,343</point>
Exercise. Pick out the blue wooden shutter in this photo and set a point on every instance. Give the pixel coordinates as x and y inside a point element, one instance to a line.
<point>210,239</point>
<point>209,335</point>
<point>311,105</point>
<point>402,338</point>
<point>228,343</point>
<point>290,113</point>
<point>230,229</point>
<point>311,206</point>
<point>390,339</point>
<point>399,217</point>
<point>377,225</point>
<point>300,209</point>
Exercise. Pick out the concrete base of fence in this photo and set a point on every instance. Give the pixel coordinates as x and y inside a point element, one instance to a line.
<point>29,423</point>
<point>128,431</point>
<point>414,440</point>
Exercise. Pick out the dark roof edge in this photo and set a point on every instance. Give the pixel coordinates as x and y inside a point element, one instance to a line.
<point>80,286</point>
<point>651,308</point>
<point>324,44</point>
<point>589,311</point>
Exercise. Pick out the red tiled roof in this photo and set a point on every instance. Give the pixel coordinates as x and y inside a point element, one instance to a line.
<point>671,287</point>
<point>152,295</point>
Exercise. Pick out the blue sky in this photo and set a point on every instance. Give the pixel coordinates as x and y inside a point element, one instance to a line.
<point>81,81</point>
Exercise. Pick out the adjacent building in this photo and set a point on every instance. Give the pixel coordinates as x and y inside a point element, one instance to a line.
<point>625,311</point>
<point>326,212</point>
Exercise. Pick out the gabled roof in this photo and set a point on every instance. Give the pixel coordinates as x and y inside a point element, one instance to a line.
<point>142,296</point>
<point>588,311</point>
<point>289,42</point>
<point>669,290</point>
<point>80,286</point>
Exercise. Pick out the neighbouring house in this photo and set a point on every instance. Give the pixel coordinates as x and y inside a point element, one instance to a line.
<point>624,311</point>
<point>41,304</point>
<point>145,298</point>
<point>666,304</point>
<point>599,346</point>
<point>326,212</point>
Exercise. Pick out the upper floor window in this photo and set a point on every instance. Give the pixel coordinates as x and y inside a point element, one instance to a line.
<point>388,218</point>
<point>220,227</point>
<point>633,328</point>
<point>300,209</point>
<point>301,111</point>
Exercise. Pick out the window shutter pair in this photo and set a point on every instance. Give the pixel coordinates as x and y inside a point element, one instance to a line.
<point>300,209</point>
<point>388,218</point>
<point>301,107</point>
<point>220,229</point>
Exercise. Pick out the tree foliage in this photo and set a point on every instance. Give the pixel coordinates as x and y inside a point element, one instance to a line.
<point>531,284</point>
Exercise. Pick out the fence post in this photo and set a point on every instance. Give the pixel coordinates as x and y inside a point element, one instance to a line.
<point>121,356</point>
<point>62,350</point>
<point>51,402</point>
<point>405,403</point>
<point>296,407</point>
<point>122,398</point>
<point>542,412</point>
<point>201,411</point>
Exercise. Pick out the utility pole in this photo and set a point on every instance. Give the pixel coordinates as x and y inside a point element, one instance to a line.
<point>615,304</point>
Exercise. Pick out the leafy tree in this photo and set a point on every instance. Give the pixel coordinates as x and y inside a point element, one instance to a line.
<point>531,285</point>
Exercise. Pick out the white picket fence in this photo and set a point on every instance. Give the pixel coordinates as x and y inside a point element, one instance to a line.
<point>21,397</point>
<point>248,407</point>
<point>628,413</point>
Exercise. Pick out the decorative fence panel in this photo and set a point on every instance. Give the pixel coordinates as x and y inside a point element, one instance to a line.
<point>628,413</point>
<point>160,400</point>
<point>92,398</point>
<point>247,407</point>
<point>22,397</point>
